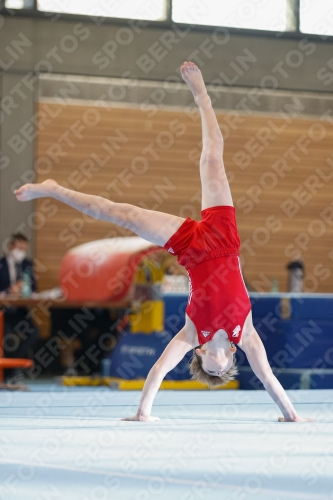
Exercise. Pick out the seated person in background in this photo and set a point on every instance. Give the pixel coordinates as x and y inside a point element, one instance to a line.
<point>14,263</point>
<point>20,333</point>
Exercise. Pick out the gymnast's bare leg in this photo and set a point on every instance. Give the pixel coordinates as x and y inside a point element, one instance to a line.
<point>156,227</point>
<point>214,182</point>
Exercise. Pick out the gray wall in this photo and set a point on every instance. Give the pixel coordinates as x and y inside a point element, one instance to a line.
<point>156,54</point>
<point>30,45</point>
<point>16,163</point>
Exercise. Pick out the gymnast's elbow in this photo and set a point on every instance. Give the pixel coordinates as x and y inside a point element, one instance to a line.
<point>265,376</point>
<point>160,369</point>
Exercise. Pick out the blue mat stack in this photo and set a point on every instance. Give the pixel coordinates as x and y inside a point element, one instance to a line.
<point>297,331</point>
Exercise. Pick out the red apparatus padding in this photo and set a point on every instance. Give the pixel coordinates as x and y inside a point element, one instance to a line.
<point>102,270</point>
<point>10,362</point>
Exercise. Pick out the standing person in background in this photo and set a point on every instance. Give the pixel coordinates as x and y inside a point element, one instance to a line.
<point>17,273</point>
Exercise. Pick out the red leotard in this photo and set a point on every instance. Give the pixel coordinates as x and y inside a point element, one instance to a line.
<point>209,250</point>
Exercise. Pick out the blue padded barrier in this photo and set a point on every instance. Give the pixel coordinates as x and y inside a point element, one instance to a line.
<point>136,353</point>
<point>249,381</point>
<point>263,306</point>
<point>174,312</point>
<point>321,381</point>
<point>307,344</point>
<point>303,341</point>
<point>313,308</point>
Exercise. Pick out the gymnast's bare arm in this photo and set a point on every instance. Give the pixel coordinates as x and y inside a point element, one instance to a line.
<point>256,355</point>
<point>181,344</point>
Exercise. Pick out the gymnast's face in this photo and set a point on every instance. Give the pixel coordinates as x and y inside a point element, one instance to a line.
<point>215,362</point>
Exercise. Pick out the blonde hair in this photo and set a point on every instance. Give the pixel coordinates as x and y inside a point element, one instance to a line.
<point>198,373</point>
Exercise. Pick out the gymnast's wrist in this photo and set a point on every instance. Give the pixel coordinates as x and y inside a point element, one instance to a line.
<point>291,415</point>
<point>141,414</point>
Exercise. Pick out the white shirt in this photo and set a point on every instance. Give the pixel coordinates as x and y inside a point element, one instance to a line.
<point>11,269</point>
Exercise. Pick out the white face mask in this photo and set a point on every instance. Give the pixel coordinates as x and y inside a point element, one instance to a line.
<point>18,255</point>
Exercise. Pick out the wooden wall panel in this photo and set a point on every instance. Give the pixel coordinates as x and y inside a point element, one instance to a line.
<point>150,158</point>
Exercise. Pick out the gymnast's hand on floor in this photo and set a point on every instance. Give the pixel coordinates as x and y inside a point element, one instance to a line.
<point>32,191</point>
<point>141,418</point>
<point>296,419</point>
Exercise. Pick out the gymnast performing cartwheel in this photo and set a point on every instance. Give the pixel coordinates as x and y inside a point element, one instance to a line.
<point>218,313</point>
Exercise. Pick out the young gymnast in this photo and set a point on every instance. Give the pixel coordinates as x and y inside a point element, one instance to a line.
<point>218,314</point>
